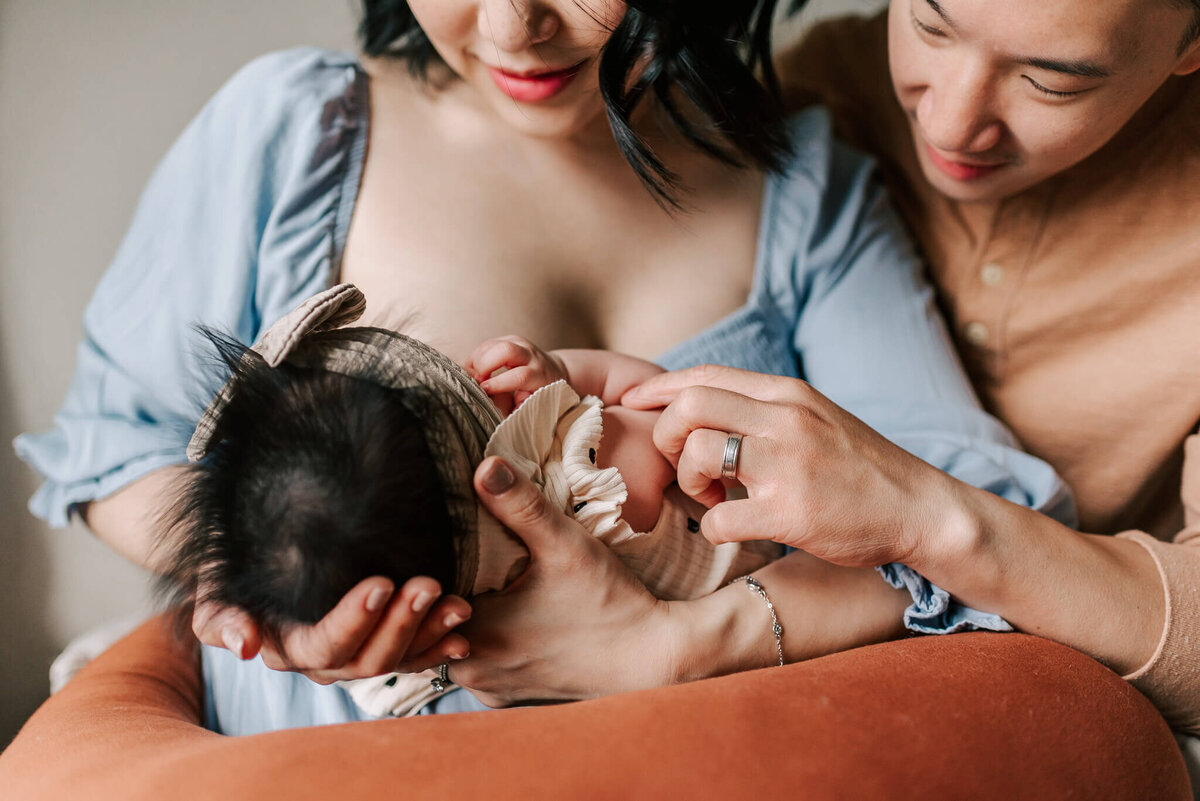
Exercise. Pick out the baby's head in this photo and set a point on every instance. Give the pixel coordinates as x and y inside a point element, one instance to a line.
<point>330,455</point>
<point>315,480</point>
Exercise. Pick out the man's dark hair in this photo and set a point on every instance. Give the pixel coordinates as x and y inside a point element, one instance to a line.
<point>315,481</point>
<point>705,58</point>
<point>1192,32</point>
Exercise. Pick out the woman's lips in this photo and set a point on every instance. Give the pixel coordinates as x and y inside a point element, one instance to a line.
<point>533,87</point>
<point>960,171</point>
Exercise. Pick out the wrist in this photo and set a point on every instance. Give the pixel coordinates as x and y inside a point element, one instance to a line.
<point>726,632</point>
<point>559,365</point>
<point>951,534</point>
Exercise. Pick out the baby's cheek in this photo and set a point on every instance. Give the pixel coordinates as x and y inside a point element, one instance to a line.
<point>628,445</point>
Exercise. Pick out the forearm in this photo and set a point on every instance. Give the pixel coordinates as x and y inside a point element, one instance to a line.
<point>129,519</point>
<point>1100,595</point>
<point>823,608</point>
<point>602,373</point>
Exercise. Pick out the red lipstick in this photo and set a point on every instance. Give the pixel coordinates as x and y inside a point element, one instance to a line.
<point>533,87</point>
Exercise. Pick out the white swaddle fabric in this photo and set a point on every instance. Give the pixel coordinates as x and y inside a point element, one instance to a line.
<point>552,439</point>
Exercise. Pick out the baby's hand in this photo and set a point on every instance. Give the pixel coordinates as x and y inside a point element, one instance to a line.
<point>526,369</point>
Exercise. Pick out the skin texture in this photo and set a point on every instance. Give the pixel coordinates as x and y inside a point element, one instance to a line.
<point>974,80</point>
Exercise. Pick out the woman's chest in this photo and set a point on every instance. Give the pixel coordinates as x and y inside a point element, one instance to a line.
<point>458,251</point>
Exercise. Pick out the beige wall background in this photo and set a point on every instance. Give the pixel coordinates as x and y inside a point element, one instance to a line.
<point>92,92</point>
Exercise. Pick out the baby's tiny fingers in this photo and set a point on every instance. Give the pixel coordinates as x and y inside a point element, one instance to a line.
<point>511,380</point>
<point>495,354</point>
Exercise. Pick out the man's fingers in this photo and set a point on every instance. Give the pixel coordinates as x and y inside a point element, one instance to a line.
<point>735,521</point>
<point>706,408</point>
<point>517,503</point>
<point>334,639</point>
<point>699,470</point>
<point>664,388</point>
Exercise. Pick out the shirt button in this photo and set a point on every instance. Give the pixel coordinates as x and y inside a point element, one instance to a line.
<point>977,334</point>
<point>991,274</point>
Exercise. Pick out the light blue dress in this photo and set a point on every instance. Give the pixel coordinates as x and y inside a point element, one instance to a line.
<point>247,215</point>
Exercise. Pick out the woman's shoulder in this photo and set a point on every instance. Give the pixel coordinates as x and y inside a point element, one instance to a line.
<point>292,72</point>
<point>272,159</point>
<point>286,91</point>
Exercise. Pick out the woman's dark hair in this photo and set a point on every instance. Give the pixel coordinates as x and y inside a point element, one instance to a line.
<point>695,57</point>
<point>314,482</point>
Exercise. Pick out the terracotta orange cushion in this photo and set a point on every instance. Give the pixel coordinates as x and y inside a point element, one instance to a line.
<point>979,716</point>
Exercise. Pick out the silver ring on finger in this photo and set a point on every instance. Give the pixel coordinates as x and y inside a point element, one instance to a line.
<point>441,681</point>
<point>733,451</point>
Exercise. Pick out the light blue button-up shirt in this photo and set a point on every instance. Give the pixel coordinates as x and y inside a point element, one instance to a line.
<point>247,215</point>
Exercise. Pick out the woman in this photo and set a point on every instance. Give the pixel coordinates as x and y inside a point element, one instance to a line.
<point>488,153</point>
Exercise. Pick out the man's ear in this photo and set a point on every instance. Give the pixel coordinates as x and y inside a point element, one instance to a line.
<point>1189,61</point>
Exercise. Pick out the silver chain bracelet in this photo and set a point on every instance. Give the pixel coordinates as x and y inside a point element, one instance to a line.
<point>776,629</point>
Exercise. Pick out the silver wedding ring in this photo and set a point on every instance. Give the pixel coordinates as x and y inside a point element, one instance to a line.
<point>733,450</point>
<point>441,681</point>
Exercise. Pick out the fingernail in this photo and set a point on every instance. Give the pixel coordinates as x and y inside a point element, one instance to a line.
<point>233,641</point>
<point>460,656</point>
<point>453,619</point>
<point>377,598</point>
<point>497,478</point>
<point>422,601</point>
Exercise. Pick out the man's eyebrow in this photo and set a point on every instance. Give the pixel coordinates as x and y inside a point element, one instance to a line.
<point>1082,69</point>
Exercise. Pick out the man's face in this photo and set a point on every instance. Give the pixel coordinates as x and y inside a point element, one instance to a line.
<point>1002,94</point>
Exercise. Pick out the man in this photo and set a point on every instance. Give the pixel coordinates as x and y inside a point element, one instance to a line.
<point>1046,157</point>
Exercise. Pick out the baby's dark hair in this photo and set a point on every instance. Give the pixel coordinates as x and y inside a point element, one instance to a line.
<point>314,481</point>
<point>710,57</point>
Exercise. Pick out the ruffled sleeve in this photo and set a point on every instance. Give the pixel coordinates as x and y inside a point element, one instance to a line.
<point>245,216</point>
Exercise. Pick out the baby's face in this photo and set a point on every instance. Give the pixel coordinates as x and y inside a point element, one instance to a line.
<point>628,445</point>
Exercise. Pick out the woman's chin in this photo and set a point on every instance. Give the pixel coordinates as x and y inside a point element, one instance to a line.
<point>550,123</point>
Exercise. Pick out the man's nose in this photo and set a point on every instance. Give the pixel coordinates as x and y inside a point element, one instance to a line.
<point>956,114</point>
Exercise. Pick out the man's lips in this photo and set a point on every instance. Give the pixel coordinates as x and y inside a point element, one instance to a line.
<point>532,87</point>
<point>961,171</point>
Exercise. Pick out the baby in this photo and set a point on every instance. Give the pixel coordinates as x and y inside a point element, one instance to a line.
<point>335,453</point>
